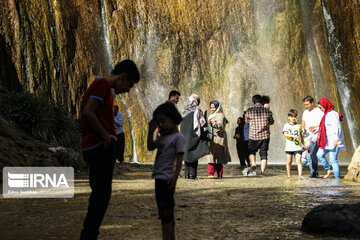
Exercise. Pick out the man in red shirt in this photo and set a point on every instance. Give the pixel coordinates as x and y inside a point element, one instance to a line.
<point>98,138</point>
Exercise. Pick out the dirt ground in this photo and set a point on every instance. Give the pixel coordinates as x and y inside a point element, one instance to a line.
<point>235,207</point>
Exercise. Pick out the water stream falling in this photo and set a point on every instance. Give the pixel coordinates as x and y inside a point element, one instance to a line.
<point>109,57</point>
<point>341,79</point>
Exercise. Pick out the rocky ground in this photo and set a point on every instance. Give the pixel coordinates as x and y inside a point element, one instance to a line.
<point>235,207</point>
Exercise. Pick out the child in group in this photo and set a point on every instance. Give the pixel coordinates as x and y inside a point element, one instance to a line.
<point>168,161</point>
<point>294,142</point>
<point>265,100</point>
<point>242,141</point>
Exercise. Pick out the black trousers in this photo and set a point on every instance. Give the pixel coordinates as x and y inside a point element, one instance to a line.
<point>120,147</point>
<point>191,170</point>
<point>101,164</point>
<point>243,152</point>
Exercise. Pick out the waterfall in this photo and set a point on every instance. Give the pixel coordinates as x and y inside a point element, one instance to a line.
<point>106,35</point>
<point>110,66</point>
<point>341,79</point>
<point>128,114</point>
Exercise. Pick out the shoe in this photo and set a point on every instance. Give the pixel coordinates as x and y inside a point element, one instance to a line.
<point>211,176</point>
<point>220,176</point>
<point>251,169</point>
<point>193,177</point>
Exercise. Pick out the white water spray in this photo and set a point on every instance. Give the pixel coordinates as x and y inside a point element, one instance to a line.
<point>341,79</point>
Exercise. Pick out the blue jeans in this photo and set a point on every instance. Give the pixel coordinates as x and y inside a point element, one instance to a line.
<point>312,160</point>
<point>333,155</point>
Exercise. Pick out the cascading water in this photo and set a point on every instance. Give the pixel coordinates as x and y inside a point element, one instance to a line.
<point>341,79</point>
<point>109,57</point>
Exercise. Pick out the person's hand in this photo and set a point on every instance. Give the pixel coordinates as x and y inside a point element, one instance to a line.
<point>312,129</point>
<point>152,125</point>
<point>107,141</point>
<point>237,135</point>
<point>172,182</point>
<point>296,137</point>
<point>336,143</point>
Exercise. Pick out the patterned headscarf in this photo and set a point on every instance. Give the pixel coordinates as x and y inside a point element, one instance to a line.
<point>218,109</point>
<point>193,106</point>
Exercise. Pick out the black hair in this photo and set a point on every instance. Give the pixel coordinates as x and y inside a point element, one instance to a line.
<point>256,98</point>
<point>173,93</point>
<point>265,99</point>
<point>169,110</point>
<point>116,106</point>
<point>129,67</point>
<point>308,99</point>
<point>292,113</point>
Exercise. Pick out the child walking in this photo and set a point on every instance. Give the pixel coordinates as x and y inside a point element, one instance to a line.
<point>168,161</point>
<point>294,142</point>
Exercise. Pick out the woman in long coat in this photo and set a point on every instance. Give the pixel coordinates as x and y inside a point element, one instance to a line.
<point>218,145</point>
<point>192,128</point>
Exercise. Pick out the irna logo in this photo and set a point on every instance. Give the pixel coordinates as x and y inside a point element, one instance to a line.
<point>16,180</point>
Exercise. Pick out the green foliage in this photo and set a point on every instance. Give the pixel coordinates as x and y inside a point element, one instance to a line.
<point>45,120</point>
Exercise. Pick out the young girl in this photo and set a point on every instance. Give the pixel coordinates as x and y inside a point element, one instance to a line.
<point>170,145</point>
<point>294,142</point>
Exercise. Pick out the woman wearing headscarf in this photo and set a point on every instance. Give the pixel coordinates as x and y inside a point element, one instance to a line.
<point>218,144</point>
<point>330,138</point>
<point>192,128</point>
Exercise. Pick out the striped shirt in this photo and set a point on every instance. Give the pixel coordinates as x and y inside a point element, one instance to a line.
<point>259,119</point>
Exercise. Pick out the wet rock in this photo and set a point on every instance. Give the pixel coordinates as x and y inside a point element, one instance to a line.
<point>333,219</point>
<point>354,167</point>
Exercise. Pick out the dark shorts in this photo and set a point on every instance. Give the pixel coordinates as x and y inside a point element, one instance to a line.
<point>294,153</point>
<point>255,145</point>
<point>165,201</point>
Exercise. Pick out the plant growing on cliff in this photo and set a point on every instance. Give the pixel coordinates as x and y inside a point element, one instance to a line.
<point>42,118</point>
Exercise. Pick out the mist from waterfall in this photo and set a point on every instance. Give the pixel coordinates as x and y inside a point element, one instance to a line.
<point>341,79</point>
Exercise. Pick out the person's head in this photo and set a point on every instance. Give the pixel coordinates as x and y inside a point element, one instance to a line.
<point>265,100</point>
<point>127,74</point>
<point>116,109</point>
<point>239,120</point>
<point>292,116</point>
<point>214,105</point>
<point>174,96</point>
<point>325,105</point>
<point>167,118</point>
<point>256,99</point>
<point>309,103</point>
<point>193,101</point>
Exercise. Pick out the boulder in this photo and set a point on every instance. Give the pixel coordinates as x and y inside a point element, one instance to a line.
<point>354,167</point>
<point>333,220</point>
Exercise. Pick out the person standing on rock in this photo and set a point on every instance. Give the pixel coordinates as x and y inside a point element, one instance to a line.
<point>218,145</point>
<point>119,126</point>
<point>310,122</point>
<point>259,119</point>
<point>98,139</point>
<point>330,138</point>
<point>192,127</point>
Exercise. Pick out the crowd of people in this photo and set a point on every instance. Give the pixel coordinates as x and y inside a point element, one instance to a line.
<point>200,134</point>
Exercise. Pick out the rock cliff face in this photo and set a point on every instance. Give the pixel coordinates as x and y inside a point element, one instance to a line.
<point>225,50</point>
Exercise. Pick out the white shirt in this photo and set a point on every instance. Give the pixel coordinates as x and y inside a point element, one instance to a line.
<point>312,118</point>
<point>334,131</point>
<point>292,144</point>
<point>119,122</point>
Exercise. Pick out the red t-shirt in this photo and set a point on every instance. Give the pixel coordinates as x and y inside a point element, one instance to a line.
<point>100,90</point>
